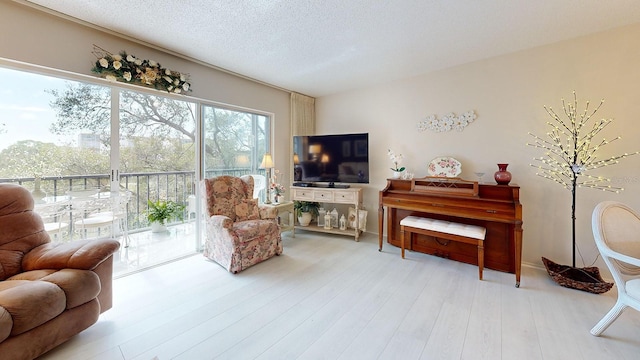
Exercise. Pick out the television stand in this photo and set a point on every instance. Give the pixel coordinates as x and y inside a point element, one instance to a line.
<point>331,185</point>
<point>351,196</point>
<point>303,184</point>
<point>339,186</point>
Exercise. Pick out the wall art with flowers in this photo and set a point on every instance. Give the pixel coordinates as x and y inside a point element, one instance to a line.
<point>447,122</point>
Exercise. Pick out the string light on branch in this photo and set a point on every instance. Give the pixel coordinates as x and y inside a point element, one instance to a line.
<point>571,148</point>
<point>570,151</point>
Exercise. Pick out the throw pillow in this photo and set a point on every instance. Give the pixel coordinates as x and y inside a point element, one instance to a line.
<point>247,210</point>
<point>223,207</point>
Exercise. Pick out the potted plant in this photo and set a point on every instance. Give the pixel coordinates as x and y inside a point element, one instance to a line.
<point>161,211</point>
<point>396,159</point>
<point>305,211</point>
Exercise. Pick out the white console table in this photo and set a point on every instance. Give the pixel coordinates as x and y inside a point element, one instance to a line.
<point>351,196</point>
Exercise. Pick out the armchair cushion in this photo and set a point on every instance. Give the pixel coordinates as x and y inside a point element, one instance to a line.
<point>79,286</point>
<point>30,303</point>
<point>249,230</point>
<point>247,209</point>
<point>20,233</point>
<point>82,254</point>
<point>224,207</point>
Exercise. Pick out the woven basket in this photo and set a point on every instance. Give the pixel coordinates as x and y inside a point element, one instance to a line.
<point>585,279</point>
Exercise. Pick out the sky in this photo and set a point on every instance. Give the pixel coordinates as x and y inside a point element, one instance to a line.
<point>24,108</point>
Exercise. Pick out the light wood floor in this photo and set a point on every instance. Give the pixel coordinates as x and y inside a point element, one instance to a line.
<point>328,297</point>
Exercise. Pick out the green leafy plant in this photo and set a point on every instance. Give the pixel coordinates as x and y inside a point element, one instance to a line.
<point>306,206</point>
<point>161,211</point>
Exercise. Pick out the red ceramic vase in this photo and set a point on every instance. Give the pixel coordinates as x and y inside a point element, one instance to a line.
<point>502,176</point>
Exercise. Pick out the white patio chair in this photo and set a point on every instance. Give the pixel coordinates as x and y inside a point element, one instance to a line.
<point>86,216</point>
<point>259,184</point>
<point>114,209</point>
<point>616,229</point>
<point>97,212</point>
<point>55,217</point>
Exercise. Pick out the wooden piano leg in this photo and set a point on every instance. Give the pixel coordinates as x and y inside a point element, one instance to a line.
<point>480,258</point>
<point>380,225</point>
<point>518,255</point>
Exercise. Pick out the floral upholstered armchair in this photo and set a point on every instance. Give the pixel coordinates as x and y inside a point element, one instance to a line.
<point>240,233</point>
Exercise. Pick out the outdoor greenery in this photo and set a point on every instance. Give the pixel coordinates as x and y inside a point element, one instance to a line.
<point>162,211</point>
<point>157,134</point>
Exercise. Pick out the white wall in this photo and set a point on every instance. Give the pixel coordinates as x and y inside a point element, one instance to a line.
<point>508,94</point>
<point>39,38</point>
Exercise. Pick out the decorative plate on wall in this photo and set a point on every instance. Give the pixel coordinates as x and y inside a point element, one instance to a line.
<point>444,167</point>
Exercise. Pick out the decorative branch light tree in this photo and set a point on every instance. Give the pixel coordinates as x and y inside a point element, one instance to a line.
<point>571,151</point>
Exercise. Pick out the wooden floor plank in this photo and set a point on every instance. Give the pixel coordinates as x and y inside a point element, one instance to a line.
<point>329,297</point>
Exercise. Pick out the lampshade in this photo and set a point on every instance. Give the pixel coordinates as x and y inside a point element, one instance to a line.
<point>296,159</point>
<point>267,162</point>
<point>324,159</point>
<point>315,149</point>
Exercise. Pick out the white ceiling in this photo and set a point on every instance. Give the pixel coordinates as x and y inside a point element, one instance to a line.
<point>321,47</point>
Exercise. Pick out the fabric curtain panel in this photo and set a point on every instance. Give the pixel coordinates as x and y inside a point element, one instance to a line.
<point>303,114</point>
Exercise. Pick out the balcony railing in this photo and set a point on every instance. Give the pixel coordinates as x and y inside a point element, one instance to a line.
<point>177,186</point>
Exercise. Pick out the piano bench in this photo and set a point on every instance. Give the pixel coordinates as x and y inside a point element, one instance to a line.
<point>441,229</point>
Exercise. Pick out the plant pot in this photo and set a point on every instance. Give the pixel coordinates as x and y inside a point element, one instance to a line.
<point>305,219</point>
<point>158,227</point>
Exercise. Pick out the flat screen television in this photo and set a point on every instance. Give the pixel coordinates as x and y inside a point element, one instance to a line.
<point>330,159</point>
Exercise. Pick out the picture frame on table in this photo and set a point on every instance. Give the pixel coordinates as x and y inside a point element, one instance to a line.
<point>362,219</point>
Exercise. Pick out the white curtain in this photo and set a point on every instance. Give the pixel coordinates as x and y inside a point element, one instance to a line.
<point>303,120</point>
<point>303,114</point>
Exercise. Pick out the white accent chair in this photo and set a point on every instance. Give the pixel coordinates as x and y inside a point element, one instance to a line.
<point>259,184</point>
<point>616,229</point>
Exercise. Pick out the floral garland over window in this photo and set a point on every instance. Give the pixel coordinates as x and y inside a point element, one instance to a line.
<point>447,122</point>
<point>129,69</point>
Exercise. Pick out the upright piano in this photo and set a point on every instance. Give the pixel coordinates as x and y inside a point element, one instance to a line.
<point>494,207</point>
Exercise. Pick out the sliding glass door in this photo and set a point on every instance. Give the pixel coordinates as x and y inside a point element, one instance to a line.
<point>234,141</point>
<point>157,158</point>
<point>58,135</point>
<point>52,139</point>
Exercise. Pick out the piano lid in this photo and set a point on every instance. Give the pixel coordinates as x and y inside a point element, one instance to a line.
<point>445,186</point>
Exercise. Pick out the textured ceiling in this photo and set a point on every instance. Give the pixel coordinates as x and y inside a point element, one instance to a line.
<point>323,47</point>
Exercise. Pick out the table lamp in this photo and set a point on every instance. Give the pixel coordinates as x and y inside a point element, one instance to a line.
<point>267,164</point>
